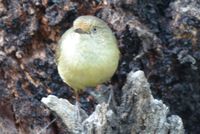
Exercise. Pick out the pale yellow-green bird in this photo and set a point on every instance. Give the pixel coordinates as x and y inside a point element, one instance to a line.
<point>87,53</point>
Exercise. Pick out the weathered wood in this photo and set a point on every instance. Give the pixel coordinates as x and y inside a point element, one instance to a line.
<point>138,112</point>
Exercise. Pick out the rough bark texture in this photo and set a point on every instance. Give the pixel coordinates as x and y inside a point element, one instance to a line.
<point>159,37</point>
<point>138,112</point>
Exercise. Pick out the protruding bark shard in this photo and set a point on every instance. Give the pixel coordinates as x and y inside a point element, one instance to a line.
<point>139,112</point>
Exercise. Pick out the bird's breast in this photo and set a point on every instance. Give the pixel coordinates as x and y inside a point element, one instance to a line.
<point>83,48</point>
<point>86,61</point>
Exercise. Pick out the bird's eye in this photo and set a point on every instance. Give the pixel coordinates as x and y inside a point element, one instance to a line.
<point>94,30</point>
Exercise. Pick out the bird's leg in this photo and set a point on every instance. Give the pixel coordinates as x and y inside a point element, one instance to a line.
<point>111,95</point>
<point>77,107</point>
<point>102,94</point>
<point>77,115</point>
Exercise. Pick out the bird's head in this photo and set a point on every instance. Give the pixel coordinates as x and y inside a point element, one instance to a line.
<point>89,24</point>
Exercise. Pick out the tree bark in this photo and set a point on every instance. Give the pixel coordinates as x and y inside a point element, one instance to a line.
<point>138,112</point>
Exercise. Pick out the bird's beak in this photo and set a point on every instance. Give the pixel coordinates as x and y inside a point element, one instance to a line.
<point>81,27</point>
<point>80,31</point>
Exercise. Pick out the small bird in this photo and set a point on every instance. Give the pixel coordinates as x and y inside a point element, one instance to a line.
<point>87,53</point>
